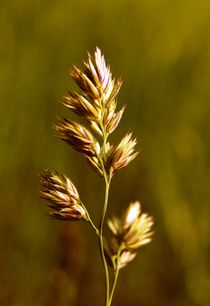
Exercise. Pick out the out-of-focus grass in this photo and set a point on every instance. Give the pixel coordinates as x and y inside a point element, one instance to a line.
<point>161,49</point>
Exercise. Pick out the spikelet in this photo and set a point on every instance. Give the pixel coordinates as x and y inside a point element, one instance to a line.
<point>134,229</point>
<point>113,120</point>
<point>81,106</point>
<point>100,75</point>
<point>121,155</point>
<point>62,195</point>
<point>125,258</point>
<point>117,258</point>
<point>95,164</point>
<point>85,84</point>
<point>78,137</point>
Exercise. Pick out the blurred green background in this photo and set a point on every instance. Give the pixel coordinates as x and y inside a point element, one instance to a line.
<point>162,50</point>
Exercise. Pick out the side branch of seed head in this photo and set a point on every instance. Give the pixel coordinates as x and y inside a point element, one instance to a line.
<point>62,196</point>
<point>129,233</point>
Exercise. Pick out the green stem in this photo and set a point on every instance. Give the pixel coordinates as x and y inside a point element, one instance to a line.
<point>107,185</point>
<point>101,242</point>
<point>89,219</point>
<point>115,278</point>
<point>93,225</point>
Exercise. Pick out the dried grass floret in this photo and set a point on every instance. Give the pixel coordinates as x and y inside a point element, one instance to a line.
<point>133,229</point>
<point>62,196</point>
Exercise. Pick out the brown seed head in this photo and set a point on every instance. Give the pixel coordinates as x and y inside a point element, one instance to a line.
<point>78,137</point>
<point>133,230</point>
<point>62,195</point>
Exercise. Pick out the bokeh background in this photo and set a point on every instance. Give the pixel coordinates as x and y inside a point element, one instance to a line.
<point>162,50</point>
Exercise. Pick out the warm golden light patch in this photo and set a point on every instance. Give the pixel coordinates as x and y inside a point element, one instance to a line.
<point>133,212</point>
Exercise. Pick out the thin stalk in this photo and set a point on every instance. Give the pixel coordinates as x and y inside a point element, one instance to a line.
<point>89,219</point>
<point>116,274</point>
<point>101,242</point>
<point>93,225</point>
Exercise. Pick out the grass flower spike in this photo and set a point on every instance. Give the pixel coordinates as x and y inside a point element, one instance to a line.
<point>96,105</point>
